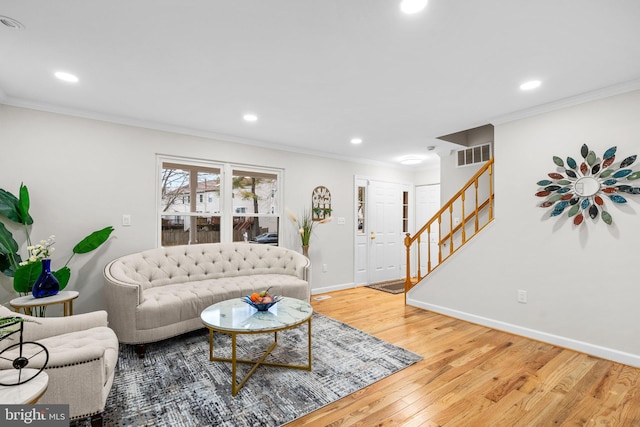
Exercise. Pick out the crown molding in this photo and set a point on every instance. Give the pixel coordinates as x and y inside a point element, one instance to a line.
<point>164,127</point>
<point>569,102</point>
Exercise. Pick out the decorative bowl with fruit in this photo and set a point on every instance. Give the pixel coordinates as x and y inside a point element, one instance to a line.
<point>262,301</point>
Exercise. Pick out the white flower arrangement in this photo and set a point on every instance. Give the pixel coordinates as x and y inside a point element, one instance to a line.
<point>40,251</point>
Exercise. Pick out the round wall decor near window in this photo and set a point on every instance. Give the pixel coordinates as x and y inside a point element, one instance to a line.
<point>582,188</point>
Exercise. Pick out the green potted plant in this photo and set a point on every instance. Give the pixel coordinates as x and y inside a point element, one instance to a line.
<point>25,272</point>
<point>305,227</point>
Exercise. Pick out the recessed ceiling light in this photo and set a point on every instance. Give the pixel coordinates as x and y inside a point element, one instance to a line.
<point>250,117</point>
<point>530,85</point>
<point>66,77</point>
<point>411,160</point>
<point>11,23</point>
<point>356,140</point>
<point>412,6</point>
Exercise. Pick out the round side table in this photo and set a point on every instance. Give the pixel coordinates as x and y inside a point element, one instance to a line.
<point>25,393</point>
<point>28,302</point>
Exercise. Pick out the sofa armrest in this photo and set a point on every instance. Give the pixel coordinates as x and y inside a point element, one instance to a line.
<point>122,299</point>
<point>303,264</point>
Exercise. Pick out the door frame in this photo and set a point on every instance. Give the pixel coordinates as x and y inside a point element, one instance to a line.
<point>360,277</point>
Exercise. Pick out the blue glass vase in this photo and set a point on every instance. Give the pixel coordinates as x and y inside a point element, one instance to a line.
<point>46,285</point>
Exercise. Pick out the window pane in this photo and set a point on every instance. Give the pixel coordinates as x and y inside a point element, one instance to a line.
<point>254,192</point>
<point>208,192</point>
<point>255,229</point>
<point>175,190</point>
<point>485,152</point>
<point>469,156</point>
<point>405,211</point>
<point>477,156</point>
<point>361,209</point>
<point>183,230</point>
<point>178,193</point>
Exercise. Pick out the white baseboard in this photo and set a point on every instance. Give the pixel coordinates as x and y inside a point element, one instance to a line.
<point>581,346</point>
<point>315,291</point>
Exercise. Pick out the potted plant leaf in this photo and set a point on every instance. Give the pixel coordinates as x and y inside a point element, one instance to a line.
<point>25,272</point>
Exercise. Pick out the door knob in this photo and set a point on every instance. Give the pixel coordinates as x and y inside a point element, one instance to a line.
<point>373,235</point>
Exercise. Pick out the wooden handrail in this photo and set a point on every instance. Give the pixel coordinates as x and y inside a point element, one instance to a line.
<point>455,231</point>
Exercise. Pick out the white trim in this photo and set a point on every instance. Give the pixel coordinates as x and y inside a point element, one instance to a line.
<point>165,127</point>
<point>568,102</point>
<point>581,346</point>
<point>341,287</point>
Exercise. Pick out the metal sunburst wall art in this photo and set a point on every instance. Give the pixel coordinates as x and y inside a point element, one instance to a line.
<point>583,188</point>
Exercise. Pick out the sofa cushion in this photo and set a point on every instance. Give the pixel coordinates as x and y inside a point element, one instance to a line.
<point>170,304</point>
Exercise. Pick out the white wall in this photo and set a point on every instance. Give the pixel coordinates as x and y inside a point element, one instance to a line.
<point>582,285</point>
<point>427,176</point>
<point>456,177</point>
<point>85,174</point>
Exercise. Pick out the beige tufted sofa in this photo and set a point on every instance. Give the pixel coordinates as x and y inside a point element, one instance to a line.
<point>83,353</point>
<point>160,293</point>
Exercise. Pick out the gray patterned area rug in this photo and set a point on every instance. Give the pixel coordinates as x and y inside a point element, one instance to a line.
<point>177,385</point>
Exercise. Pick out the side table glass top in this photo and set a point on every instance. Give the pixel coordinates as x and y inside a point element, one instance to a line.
<point>234,315</point>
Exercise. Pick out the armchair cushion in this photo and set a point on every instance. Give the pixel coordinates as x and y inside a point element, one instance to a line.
<point>83,353</point>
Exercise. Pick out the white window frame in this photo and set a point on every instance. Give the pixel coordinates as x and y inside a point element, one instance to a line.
<point>226,192</point>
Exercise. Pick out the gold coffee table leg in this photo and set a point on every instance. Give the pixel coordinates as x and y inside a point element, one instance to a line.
<point>235,386</point>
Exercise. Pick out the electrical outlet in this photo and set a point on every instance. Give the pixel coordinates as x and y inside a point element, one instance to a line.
<point>126,220</point>
<point>325,268</point>
<point>522,296</point>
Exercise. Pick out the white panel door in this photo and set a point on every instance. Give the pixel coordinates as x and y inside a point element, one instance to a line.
<point>385,240</point>
<point>361,255</point>
<point>427,204</point>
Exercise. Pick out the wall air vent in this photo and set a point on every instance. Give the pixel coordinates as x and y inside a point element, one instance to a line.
<point>11,23</point>
<point>473,155</point>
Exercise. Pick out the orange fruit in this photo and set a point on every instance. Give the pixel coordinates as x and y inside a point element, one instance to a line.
<point>254,296</point>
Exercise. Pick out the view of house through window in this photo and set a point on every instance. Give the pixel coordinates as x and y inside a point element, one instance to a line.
<point>254,206</point>
<point>198,205</point>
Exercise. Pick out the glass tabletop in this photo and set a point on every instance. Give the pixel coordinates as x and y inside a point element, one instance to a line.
<point>235,315</point>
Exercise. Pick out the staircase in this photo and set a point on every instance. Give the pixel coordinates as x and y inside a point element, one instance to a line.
<point>456,223</point>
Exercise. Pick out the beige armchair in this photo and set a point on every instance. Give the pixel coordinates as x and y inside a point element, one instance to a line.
<point>83,353</point>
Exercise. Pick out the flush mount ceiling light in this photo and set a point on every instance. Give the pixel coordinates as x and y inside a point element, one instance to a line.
<point>11,23</point>
<point>66,77</point>
<point>250,117</point>
<point>356,141</point>
<point>412,6</point>
<point>530,85</point>
<point>411,160</point>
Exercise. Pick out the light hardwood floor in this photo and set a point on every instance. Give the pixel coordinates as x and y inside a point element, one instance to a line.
<point>474,376</point>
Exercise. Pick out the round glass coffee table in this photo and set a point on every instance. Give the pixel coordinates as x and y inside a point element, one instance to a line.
<point>235,317</point>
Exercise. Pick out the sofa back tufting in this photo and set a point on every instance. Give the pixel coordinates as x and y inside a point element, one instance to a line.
<point>179,264</point>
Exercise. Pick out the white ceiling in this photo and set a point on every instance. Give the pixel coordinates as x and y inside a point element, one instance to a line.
<point>316,72</point>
